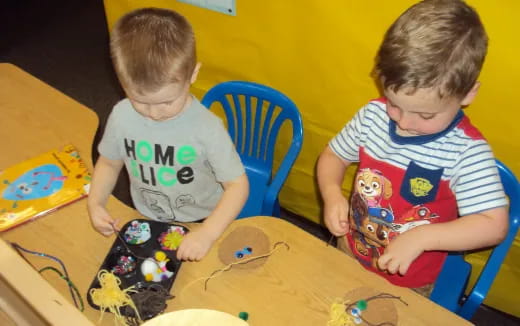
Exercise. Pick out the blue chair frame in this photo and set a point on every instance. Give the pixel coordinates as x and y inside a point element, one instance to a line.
<point>453,279</point>
<point>254,130</point>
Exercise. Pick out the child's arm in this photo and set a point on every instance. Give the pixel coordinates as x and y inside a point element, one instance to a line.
<point>473,231</point>
<point>103,182</point>
<point>196,244</point>
<point>331,170</point>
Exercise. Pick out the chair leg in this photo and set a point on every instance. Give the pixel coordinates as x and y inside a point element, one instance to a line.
<point>276,209</point>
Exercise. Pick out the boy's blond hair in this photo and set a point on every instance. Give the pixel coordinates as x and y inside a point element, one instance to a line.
<point>438,44</point>
<point>152,47</point>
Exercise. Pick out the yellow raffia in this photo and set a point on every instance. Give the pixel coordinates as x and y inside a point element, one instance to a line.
<point>338,315</point>
<point>110,296</point>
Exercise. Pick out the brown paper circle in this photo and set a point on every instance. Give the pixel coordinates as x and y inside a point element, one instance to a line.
<point>380,310</point>
<point>237,240</point>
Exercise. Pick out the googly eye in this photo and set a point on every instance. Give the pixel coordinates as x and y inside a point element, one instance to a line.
<point>355,312</point>
<point>239,254</point>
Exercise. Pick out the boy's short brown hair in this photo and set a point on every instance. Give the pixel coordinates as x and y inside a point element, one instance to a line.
<point>152,47</point>
<point>434,44</point>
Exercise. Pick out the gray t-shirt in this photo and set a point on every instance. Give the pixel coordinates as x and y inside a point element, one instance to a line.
<point>175,166</point>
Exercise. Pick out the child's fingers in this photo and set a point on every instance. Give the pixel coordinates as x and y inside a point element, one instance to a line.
<point>335,225</point>
<point>341,226</point>
<point>335,229</point>
<point>391,264</point>
<point>179,253</point>
<point>194,256</point>
<point>382,262</point>
<point>188,255</point>
<point>339,232</point>
<point>338,229</point>
<point>115,224</point>
<point>190,251</point>
<point>403,268</point>
<point>106,231</point>
<point>182,252</point>
<point>105,226</point>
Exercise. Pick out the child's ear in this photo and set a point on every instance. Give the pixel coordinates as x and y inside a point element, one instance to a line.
<point>471,94</point>
<point>195,73</point>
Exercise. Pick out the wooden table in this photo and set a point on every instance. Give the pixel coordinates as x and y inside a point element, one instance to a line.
<point>294,287</point>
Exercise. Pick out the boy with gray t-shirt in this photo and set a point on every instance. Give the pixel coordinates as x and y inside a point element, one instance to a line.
<point>181,161</point>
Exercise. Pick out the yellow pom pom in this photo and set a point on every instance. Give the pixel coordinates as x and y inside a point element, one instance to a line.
<point>172,240</point>
<point>160,256</point>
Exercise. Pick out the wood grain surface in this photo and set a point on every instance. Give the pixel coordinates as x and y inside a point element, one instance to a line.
<point>293,287</point>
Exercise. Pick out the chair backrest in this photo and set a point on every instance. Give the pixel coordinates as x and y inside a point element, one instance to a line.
<point>452,281</point>
<point>255,113</point>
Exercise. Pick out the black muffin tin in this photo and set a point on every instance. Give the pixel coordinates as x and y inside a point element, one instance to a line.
<point>138,251</point>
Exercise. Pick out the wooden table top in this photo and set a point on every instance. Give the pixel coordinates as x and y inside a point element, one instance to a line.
<point>293,287</point>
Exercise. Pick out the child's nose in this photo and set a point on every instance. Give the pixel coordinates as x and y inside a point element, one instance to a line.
<point>405,122</point>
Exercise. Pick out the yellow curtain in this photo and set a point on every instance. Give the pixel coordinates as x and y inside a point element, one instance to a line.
<point>320,54</point>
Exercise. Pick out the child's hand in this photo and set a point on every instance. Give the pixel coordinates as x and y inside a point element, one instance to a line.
<point>336,215</point>
<point>194,246</point>
<point>401,252</point>
<point>102,221</point>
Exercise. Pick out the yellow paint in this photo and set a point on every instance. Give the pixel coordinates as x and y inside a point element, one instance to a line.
<point>320,54</point>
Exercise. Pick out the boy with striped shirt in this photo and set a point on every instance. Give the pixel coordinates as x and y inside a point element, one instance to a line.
<point>427,181</point>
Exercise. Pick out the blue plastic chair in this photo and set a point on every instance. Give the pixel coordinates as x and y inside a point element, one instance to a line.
<point>452,281</point>
<point>255,113</point>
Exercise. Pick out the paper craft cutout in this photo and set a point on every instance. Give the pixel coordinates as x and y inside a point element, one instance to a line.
<point>196,317</point>
<point>378,311</point>
<point>244,242</point>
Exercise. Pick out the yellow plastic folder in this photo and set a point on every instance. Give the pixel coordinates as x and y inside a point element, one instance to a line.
<point>41,184</point>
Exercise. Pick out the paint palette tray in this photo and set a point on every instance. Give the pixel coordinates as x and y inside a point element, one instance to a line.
<point>143,256</point>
